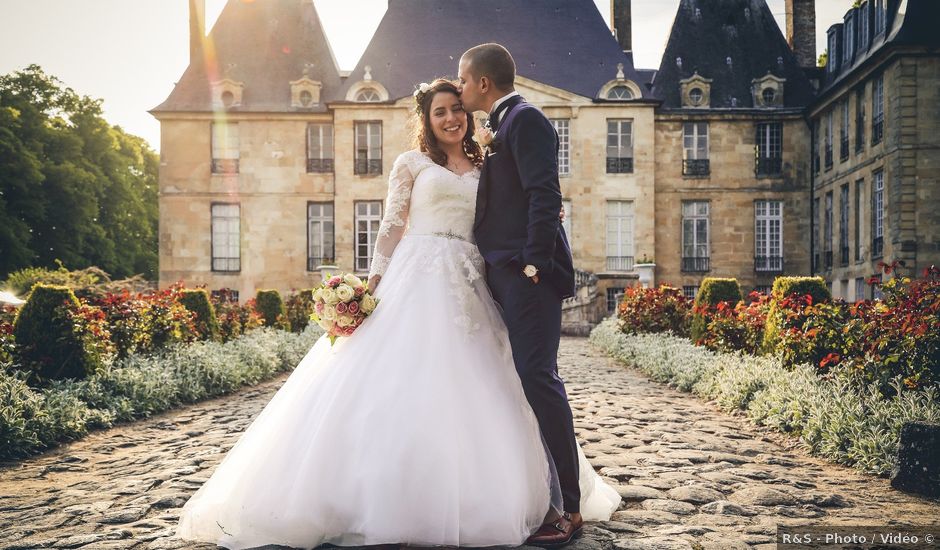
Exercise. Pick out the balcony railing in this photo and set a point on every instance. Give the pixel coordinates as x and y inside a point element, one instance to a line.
<point>877,130</point>
<point>370,167</point>
<point>844,255</point>
<point>697,264</point>
<point>696,167</point>
<point>224,166</point>
<point>828,260</point>
<point>828,157</point>
<point>226,264</point>
<point>314,263</point>
<point>768,166</point>
<point>768,264</point>
<point>617,165</point>
<point>844,149</point>
<point>877,247</point>
<point>584,278</point>
<point>619,263</point>
<point>319,166</point>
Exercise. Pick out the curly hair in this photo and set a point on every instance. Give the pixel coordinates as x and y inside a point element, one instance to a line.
<point>424,138</point>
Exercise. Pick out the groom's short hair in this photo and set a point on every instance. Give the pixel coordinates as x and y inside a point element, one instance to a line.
<point>494,62</point>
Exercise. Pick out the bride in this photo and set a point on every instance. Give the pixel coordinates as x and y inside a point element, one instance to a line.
<point>415,429</point>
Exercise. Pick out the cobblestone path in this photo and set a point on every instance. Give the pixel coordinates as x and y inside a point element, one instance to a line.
<point>691,477</point>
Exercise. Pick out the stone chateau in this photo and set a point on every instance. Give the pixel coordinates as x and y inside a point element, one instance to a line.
<point>719,163</point>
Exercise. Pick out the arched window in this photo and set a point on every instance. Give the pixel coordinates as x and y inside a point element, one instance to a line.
<point>620,92</point>
<point>368,95</point>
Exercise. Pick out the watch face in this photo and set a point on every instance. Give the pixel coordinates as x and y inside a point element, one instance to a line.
<point>530,270</point>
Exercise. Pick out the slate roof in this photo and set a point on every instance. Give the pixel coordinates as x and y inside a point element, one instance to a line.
<point>264,44</point>
<point>909,23</point>
<point>563,43</point>
<point>707,32</point>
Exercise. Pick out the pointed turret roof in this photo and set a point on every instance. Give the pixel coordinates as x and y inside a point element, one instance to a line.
<point>265,45</point>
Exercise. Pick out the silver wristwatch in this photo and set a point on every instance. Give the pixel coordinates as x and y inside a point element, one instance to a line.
<point>530,271</point>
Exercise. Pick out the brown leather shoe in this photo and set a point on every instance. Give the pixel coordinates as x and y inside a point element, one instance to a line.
<point>557,533</point>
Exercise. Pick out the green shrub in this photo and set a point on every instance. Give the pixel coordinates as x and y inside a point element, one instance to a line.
<point>269,304</point>
<point>57,337</point>
<point>712,292</point>
<point>785,289</point>
<point>235,319</point>
<point>299,309</point>
<point>206,323</point>
<point>22,281</point>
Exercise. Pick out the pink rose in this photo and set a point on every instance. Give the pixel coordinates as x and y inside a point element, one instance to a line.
<point>360,290</point>
<point>334,281</point>
<point>319,307</point>
<point>341,307</point>
<point>353,307</point>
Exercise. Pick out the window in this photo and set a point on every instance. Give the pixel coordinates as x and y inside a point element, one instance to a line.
<point>876,292</point>
<point>848,46</point>
<point>368,148</point>
<point>224,148</point>
<point>696,96</point>
<point>689,291</point>
<point>320,234</point>
<point>860,120</point>
<point>877,214</point>
<point>880,19</point>
<point>877,110</point>
<point>226,237</point>
<point>859,289</point>
<point>844,224</point>
<point>857,210</point>
<point>695,149</point>
<point>225,295</point>
<point>614,295</point>
<point>319,147</point>
<point>827,233</point>
<point>564,145</point>
<point>620,92</point>
<point>695,249</point>
<point>816,242</point>
<point>769,148</point>
<point>768,236</point>
<point>832,57</point>
<point>368,95</point>
<point>368,218</point>
<point>619,235</point>
<point>619,146</point>
<point>844,132</point>
<point>828,140</point>
<point>863,14</point>
<point>566,204</point>
<point>769,95</point>
<point>815,145</point>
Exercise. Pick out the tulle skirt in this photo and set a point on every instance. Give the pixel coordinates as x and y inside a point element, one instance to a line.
<point>413,430</point>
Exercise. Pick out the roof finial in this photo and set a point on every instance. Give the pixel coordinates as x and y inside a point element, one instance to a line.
<point>620,71</point>
<point>368,73</point>
<point>307,67</point>
<point>679,62</point>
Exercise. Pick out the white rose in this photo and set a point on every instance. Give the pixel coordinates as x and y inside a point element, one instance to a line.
<point>352,280</point>
<point>345,293</point>
<point>367,305</point>
<point>329,313</point>
<point>326,324</point>
<point>344,321</point>
<point>318,295</point>
<point>329,296</point>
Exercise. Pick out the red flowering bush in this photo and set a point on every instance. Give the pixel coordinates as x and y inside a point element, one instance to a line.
<point>662,309</point>
<point>7,342</point>
<point>234,319</point>
<point>813,333</point>
<point>146,322</point>
<point>738,327</point>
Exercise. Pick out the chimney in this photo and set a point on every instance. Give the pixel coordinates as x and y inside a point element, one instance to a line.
<point>620,21</point>
<point>801,31</point>
<point>197,29</point>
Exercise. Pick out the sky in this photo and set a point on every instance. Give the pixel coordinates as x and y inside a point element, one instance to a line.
<point>131,52</point>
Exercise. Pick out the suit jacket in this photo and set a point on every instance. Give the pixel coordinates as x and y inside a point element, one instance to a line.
<point>519,199</point>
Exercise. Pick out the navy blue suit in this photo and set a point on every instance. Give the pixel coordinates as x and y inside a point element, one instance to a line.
<point>517,224</point>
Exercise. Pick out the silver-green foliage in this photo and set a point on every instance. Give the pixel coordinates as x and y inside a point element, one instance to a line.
<point>846,423</point>
<point>139,386</point>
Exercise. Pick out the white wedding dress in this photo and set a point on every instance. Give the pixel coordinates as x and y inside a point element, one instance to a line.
<point>415,429</point>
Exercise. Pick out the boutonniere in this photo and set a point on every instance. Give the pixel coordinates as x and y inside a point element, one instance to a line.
<point>485,137</point>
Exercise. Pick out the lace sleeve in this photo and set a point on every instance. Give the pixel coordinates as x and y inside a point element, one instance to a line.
<point>395,219</point>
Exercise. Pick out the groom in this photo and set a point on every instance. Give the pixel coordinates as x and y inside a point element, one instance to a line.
<point>528,260</point>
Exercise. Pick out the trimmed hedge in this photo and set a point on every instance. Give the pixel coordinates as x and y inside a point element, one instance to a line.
<point>844,422</point>
<point>300,307</point>
<point>49,344</point>
<point>197,301</point>
<point>272,309</point>
<point>786,288</point>
<point>712,292</point>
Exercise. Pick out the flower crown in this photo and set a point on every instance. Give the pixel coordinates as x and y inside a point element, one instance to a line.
<point>420,93</point>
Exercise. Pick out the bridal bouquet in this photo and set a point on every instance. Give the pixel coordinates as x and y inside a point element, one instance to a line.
<point>341,304</point>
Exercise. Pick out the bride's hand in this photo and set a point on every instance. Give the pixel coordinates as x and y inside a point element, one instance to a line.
<point>374,282</point>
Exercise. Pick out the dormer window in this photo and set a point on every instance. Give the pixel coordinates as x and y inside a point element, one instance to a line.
<point>768,91</point>
<point>227,94</point>
<point>228,98</point>
<point>306,98</point>
<point>305,93</point>
<point>695,92</point>
<point>620,92</point>
<point>768,95</point>
<point>368,95</point>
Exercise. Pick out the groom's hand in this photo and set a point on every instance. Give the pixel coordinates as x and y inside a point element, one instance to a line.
<point>535,279</point>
